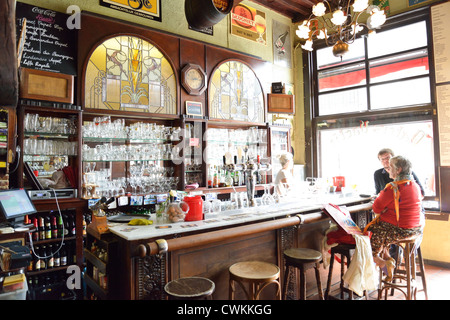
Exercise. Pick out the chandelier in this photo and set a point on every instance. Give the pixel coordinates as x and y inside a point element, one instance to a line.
<point>340,24</point>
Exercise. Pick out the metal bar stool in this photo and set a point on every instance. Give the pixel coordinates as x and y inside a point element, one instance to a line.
<point>303,259</point>
<point>257,274</point>
<point>190,288</point>
<point>407,284</point>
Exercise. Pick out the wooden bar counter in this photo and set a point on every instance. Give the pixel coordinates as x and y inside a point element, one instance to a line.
<point>147,257</point>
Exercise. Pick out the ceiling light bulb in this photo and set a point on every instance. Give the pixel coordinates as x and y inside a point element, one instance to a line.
<point>322,34</point>
<point>303,31</point>
<point>360,5</point>
<point>319,9</point>
<point>338,17</point>
<point>377,18</point>
<point>308,45</point>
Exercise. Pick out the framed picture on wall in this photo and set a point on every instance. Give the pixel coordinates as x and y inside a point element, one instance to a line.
<point>281,36</point>
<point>194,108</point>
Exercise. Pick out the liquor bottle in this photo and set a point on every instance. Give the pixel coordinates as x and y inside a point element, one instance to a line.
<point>54,228</point>
<point>44,258</point>
<point>57,258</point>
<point>222,179</point>
<point>41,228</point>
<point>48,227</point>
<point>228,179</point>
<point>35,233</point>
<point>63,255</point>
<point>37,260</point>
<point>60,225</point>
<point>66,225</point>
<point>51,258</point>
<point>210,178</point>
<point>216,178</point>
<point>72,225</point>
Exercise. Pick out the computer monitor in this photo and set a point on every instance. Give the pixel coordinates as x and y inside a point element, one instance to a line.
<point>14,205</point>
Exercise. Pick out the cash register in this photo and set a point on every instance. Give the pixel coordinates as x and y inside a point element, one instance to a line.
<point>15,204</point>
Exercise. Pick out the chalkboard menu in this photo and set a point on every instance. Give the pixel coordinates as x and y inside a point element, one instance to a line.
<point>49,44</point>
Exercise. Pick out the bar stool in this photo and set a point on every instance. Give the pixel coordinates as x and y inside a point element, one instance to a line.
<point>409,289</point>
<point>190,288</point>
<point>257,274</point>
<point>422,275</point>
<point>345,251</point>
<point>303,259</point>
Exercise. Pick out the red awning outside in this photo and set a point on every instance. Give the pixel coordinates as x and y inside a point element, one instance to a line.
<point>357,77</point>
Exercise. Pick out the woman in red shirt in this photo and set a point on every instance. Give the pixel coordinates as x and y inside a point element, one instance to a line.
<point>399,213</point>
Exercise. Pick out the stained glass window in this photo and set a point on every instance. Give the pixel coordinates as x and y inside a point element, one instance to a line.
<point>236,94</point>
<point>127,73</point>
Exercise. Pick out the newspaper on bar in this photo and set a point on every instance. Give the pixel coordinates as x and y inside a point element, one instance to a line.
<point>342,217</point>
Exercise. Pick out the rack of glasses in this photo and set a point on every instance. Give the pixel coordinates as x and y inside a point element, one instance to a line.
<point>135,158</point>
<point>48,143</point>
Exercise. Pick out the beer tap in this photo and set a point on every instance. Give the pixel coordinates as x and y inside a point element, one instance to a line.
<point>250,169</point>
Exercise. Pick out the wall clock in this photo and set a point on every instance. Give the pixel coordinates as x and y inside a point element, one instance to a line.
<point>193,79</point>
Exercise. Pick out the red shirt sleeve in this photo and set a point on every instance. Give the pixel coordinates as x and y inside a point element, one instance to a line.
<point>410,206</point>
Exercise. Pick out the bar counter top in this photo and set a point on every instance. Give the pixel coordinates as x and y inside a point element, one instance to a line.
<point>225,219</point>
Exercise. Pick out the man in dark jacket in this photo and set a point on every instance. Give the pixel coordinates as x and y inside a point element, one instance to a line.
<point>381,176</point>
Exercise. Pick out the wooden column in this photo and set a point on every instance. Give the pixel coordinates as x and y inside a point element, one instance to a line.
<point>9,91</point>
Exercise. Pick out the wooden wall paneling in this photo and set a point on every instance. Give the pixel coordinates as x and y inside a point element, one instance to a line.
<point>192,52</point>
<point>445,188</point>
<point>213,260</point>
<point>9,83</point>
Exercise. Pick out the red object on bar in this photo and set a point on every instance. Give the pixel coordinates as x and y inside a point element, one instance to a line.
<point>339,182</point>
<point>195,208</point>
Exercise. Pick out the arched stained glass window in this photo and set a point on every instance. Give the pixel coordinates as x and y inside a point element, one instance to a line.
<point>127,73</point>
<point>236,94</point>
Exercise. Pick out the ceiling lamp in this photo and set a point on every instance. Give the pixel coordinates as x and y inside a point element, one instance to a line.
<point>340,24</point>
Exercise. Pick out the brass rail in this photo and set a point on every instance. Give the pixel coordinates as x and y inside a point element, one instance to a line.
<point>163,245</point>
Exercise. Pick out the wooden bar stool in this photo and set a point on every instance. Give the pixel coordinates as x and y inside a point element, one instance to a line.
<point>407,283</point>
<point>257,274</point>
<point>345,251</point>
<point>191,288</point>
<point>422,275</point>
<point>303,259</point>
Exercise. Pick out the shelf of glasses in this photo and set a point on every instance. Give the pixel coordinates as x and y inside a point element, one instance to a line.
<point>236,143</point>
<point>36,157</point>
<point>124,160</point>
<point>131,140</point>
<point>50,135</point>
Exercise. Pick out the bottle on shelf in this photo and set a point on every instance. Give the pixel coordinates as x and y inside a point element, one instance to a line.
<point>60,226</point>
<point>48,227</point>
<point>41,228</point>
<point>37,259</point>
<point>66,225</point>
<point>51,258</point>
<point>63,255</point>
<point>35,234</point>
<point>57,258</point>
<point>54,228</point>
<point>44,258</point>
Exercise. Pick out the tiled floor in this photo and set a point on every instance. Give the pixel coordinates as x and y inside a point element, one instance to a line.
<point>438,285</point>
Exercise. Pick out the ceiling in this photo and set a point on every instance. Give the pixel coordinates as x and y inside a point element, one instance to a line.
<point>296,10</point>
